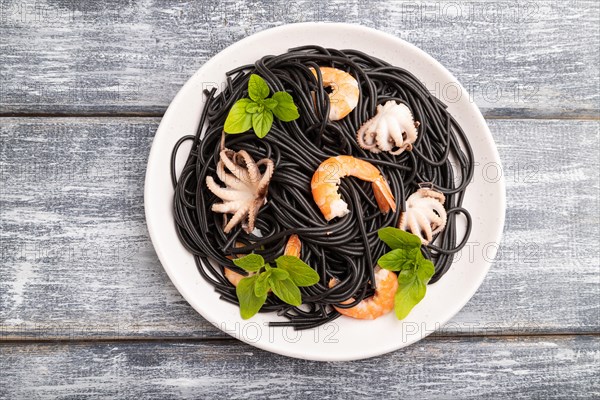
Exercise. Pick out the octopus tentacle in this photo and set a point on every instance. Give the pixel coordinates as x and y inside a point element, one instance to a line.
<point>433,217</point>
<point>228,157</point>
<point>424,225</point>
<point>253,172</point>
<point>228,207</point>
<point>237,218</point>
<point>268,174</point>
<point>252,213</point>
<point>225,193</point>
<point>228,179</point>
<point>366,139</point>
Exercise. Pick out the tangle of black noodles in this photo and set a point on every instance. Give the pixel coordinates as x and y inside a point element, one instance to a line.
<point>346,248</point>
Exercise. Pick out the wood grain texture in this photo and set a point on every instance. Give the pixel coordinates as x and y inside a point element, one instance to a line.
<point>77,261</point>
<point>534,58</point>
<point>476,368</point>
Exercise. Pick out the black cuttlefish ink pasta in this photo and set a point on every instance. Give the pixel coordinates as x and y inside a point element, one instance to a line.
<point>345,248</point>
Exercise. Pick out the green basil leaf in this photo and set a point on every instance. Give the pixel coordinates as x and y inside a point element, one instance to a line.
<point>253,107</point>
<point>425,270</point>
<point>411,291</point>
<point>238,120</point>
<point>251,262</point>
<point>270,103</point>
<point>287,291</point>
<point>285,110</point>
<point>300,273</point>
<point>262,284</point>
<point>398,239</point>
<point>399,259</point>
<point>250,303</point>
<point>279,274</point>
<point>261,123</point>
<point>257,88</point>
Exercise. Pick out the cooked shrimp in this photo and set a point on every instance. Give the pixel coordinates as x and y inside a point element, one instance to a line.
<point>231,275</point>
<point>344,96</point>
<point>326,180</point>
<point>382,301</point>
<point>234,277</point>
<point>292,248</point>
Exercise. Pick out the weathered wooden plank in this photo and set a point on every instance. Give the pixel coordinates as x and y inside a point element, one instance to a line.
<point>77,262</point>
<point>475,368</point>
<point>535,58</point>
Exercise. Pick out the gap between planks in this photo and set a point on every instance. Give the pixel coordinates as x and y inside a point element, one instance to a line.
<point>228,340</point>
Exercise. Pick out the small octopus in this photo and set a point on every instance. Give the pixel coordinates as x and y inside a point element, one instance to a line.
<point>245,188</point>
<point>425,215</point>
<point>392,129</point>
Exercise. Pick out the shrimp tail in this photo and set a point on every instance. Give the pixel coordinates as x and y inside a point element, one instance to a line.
<point>383,195</point>
<point>293,246</point>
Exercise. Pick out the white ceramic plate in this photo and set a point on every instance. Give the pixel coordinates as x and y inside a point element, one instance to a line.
<point>344,338</point>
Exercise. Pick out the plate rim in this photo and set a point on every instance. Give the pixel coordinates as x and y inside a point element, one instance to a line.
<point>356,28</point>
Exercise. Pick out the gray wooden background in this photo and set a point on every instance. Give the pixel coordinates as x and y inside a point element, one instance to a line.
<point>86,309</point>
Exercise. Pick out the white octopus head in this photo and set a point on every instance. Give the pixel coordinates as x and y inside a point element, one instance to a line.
<point>392,129</point>
<point>425,215</point>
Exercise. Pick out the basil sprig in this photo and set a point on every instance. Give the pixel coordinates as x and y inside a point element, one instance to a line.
<point>414,270</point>
<point>257,111</point>
<point>284,280</point>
